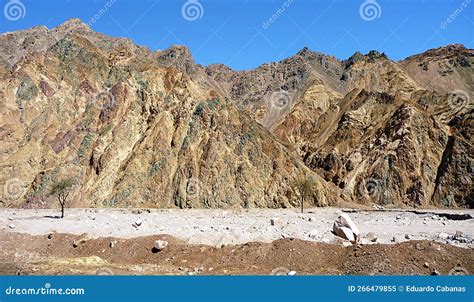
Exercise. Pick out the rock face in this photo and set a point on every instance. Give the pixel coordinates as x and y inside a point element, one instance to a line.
<point>136,128</point>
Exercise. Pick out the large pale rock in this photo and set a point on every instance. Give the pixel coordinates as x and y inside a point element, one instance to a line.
<point>344,225</point>
<point>345,233</point>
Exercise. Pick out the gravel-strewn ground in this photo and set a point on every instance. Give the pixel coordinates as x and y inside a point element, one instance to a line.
<point>217,227</point>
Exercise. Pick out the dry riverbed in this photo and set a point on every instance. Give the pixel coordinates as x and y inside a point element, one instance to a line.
<point>217,227</point>
<point>208,242</point>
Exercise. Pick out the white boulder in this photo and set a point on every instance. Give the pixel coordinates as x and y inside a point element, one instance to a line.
<point>344,227</point>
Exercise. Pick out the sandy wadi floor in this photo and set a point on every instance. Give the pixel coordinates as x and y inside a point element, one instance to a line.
<point>217,227</point>
<point>122,241</point>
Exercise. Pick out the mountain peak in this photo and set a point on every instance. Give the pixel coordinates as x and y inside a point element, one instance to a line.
<point>73,25</point>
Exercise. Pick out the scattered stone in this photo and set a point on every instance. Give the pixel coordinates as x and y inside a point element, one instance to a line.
<point>83,239</point>
<point>434,272</point>
<point>137,223</point>
<point>159,246</point>
<point>443,236</point>
<point>371,237</point>
<point>344,227</point>
<point>377,207</point>
<point>313,234</point>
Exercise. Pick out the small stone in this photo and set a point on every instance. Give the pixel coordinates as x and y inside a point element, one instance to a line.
<point>458,234</point>
<point>83,239</point>
<point>11,226</point>
<point>50,236</point>
<point>443,236</point>
<point>394,239</point>
<point>346,244</point>
<point>371,237</point>
<point>137,223</point>
<point>398,217</point>
<point>112,244</point>
<point>159,246</point>
<point>407,237</point>
<point>291,273</point>
<point>419,247</point>
<point>377,207</point>
<point>273,221</point>
<point>426,265</point>
<point>313,234</point>
<point>434,272</point>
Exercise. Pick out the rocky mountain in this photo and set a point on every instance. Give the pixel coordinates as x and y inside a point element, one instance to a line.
<point>138,128</point>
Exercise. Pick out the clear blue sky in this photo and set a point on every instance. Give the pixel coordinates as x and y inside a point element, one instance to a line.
<point>234,32</point>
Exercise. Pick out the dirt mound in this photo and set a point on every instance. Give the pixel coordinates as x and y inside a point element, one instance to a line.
<point>55,254</point>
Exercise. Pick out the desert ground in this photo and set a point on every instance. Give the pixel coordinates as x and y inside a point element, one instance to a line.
<point>254,241</point>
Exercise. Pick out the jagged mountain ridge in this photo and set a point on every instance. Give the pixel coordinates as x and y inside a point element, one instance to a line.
<point>140,128</point>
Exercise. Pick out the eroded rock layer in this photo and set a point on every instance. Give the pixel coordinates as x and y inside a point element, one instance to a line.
<point>137,128</point>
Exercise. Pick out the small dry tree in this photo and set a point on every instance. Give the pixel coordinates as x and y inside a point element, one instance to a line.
<point>305,186</point>
<point>61,190</point>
